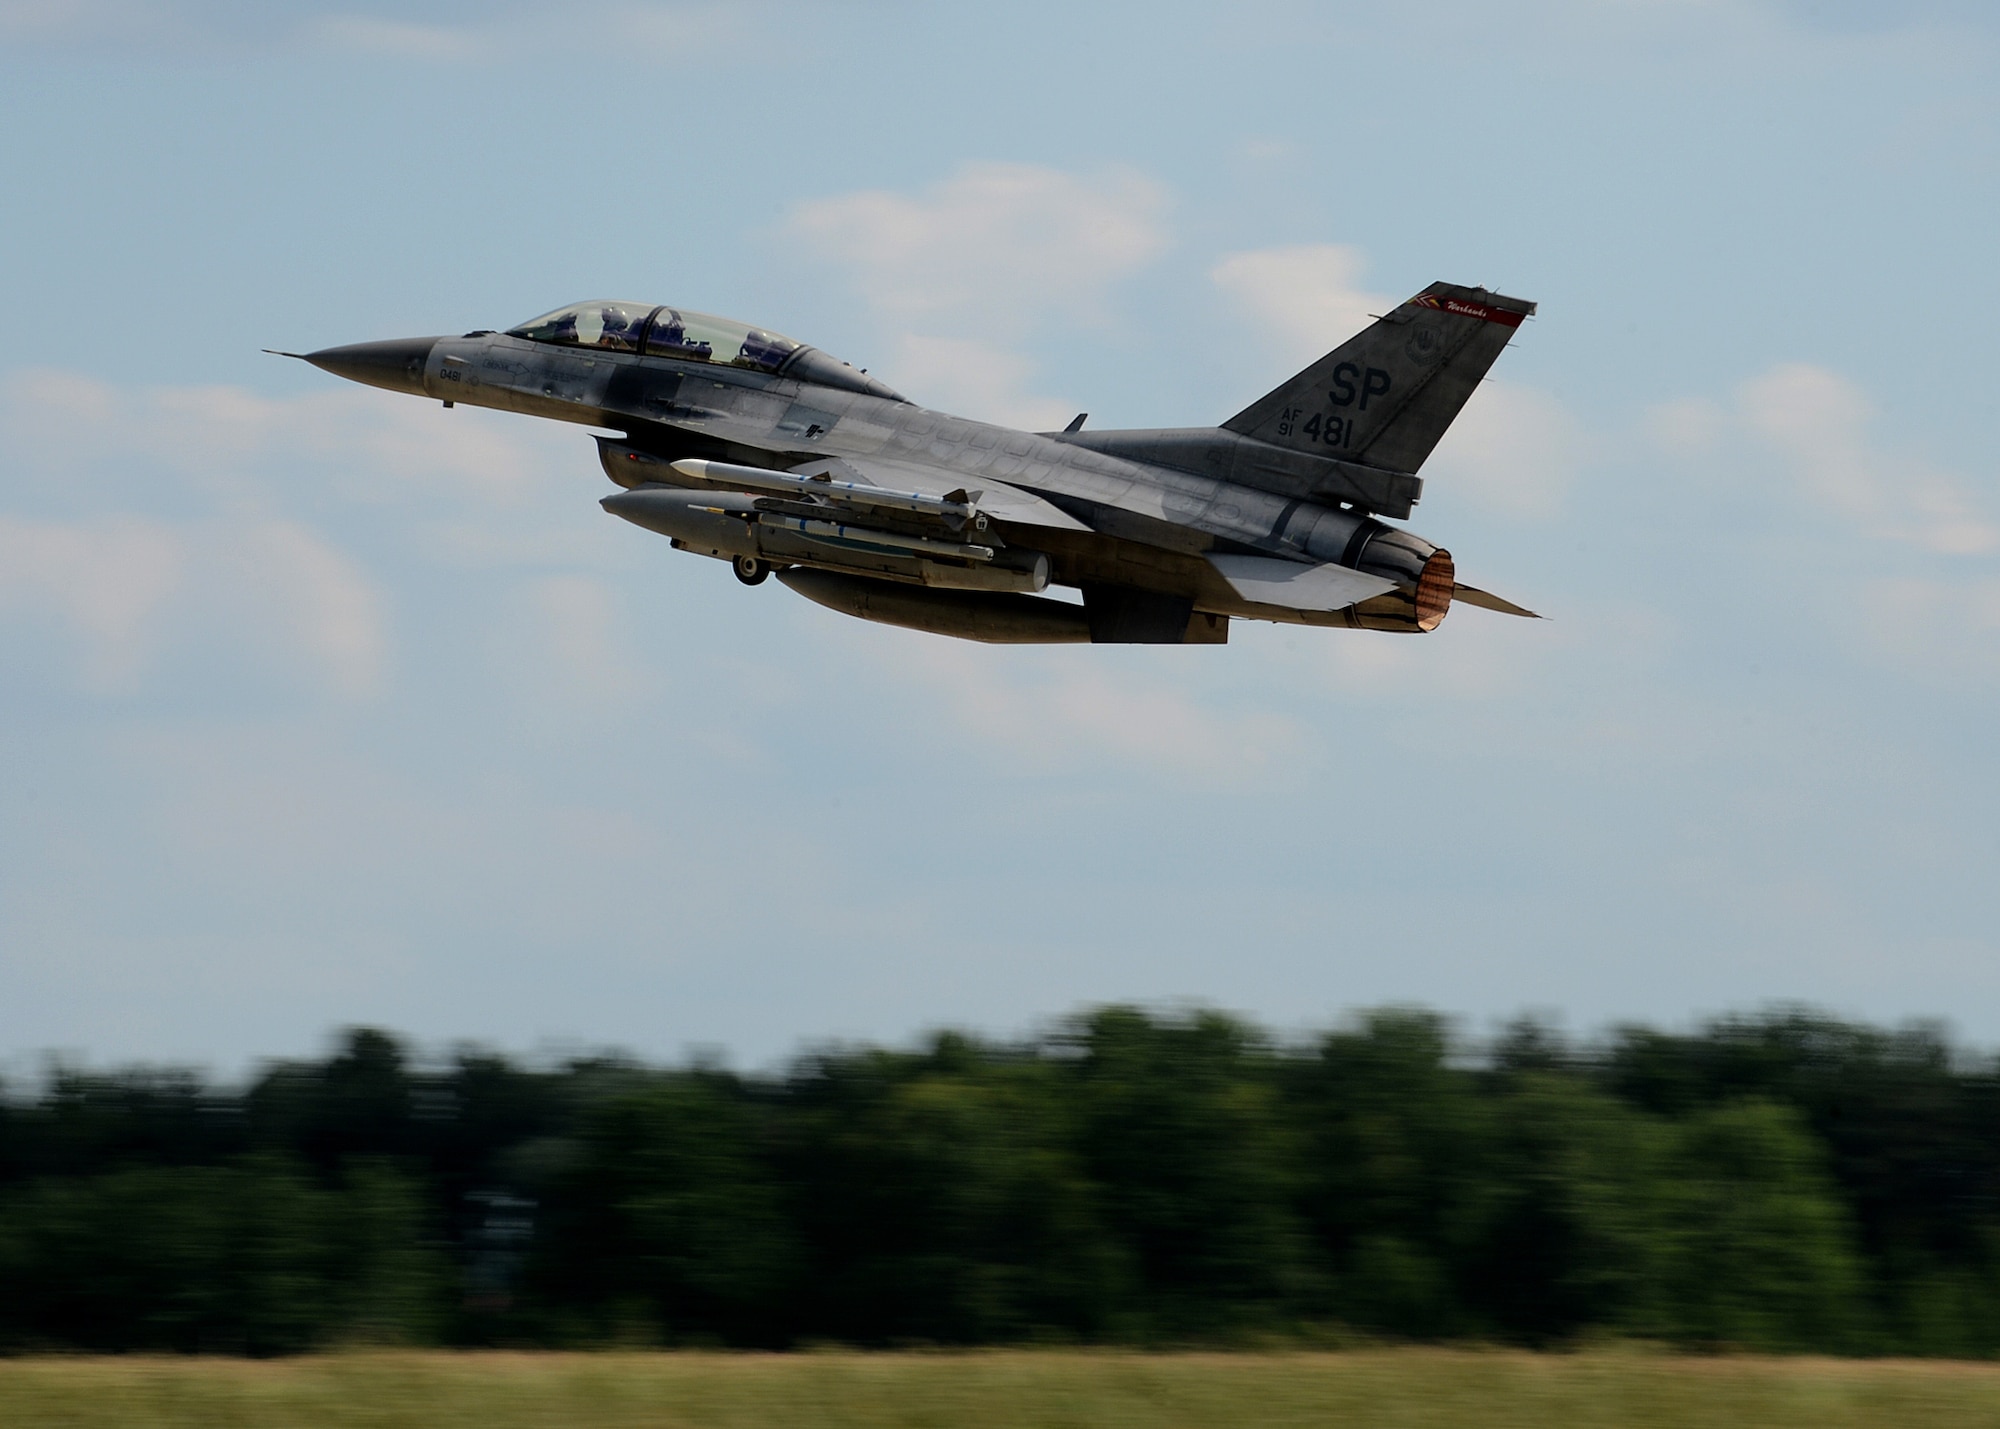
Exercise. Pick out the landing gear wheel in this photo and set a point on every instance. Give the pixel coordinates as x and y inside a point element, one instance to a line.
<point>750,570</point>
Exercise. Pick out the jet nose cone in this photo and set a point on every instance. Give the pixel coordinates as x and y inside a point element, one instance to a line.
<point>398,365</point>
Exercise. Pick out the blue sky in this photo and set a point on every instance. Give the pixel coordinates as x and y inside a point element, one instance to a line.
<point>320,705</point>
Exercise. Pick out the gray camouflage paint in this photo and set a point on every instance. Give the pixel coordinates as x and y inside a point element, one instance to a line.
<point>1300,475</point>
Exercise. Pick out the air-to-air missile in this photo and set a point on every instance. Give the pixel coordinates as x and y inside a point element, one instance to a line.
<point>739,444</point>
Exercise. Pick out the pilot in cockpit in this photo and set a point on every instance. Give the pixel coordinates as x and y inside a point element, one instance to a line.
<point>669,338</point>
<point>621,329</point>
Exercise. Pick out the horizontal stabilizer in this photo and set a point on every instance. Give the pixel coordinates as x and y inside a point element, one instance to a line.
<point>1486,600</point>
<point>1267,580</point>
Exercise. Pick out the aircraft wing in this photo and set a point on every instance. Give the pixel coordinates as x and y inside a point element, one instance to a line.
<point>1294,585</point>
<point>887,487</point>
<point>1023,508</point>
<point>995,498</point>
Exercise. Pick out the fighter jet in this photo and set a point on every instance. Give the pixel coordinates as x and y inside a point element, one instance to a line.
<point>736,443</point>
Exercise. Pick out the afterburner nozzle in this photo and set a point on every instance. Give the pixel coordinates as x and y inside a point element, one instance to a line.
<point>1434,590</point>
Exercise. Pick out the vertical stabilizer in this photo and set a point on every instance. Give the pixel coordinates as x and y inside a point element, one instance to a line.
<point>1385,396</point>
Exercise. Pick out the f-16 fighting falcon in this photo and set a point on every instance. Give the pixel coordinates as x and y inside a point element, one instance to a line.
<point>740,444</point>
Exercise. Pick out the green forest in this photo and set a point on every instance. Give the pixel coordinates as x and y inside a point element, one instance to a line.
<point>1783,1182</point>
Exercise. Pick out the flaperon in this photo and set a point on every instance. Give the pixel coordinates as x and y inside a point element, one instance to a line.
<point>774,456</point>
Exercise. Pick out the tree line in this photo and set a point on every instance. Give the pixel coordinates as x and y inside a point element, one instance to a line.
<point>1781,1182</point>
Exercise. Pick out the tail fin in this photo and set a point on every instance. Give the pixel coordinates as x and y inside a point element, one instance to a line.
<point>1385,396</point>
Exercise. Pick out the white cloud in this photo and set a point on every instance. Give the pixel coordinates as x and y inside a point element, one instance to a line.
<point>1514,450</point>
<point>125,590</point>
<point>1820,425</point>
<point>1817,418</point>
<point>376,446</point>
<point>105,580</point>
<point>311,599</point>
<point>30,21</point>
<point>996,245</point>
<point>996,249</point>
<point>223,556</point>
<point>500,29</point>
<point>1084,707</point>
<point>504,31</point>
<point>1862,498</point>
<point>1943,630</point>
<point>976,379</point>
<point>582,654</point>
<point>1308,299</point>
<point>1819,421</point>
<point>394,39</point>
<point>1688,426</point>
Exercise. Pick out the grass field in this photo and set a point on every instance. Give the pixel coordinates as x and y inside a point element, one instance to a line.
<point>1383,1389</point>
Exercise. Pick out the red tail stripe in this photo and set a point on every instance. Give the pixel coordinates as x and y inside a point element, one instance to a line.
<point>1470,310</point>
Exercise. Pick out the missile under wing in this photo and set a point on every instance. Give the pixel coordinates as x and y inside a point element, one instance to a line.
<point>738,443</point>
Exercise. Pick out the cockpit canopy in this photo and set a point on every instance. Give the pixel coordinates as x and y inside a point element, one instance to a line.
<point>661,332</point>
<point>652,331</point>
